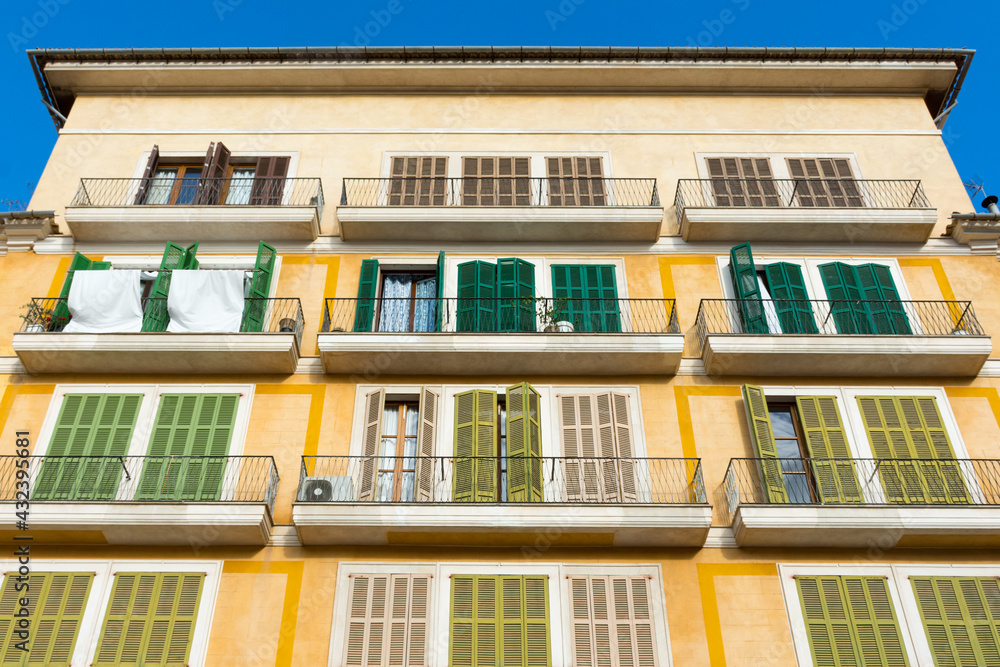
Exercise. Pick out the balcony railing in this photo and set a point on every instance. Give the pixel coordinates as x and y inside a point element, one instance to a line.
<point>518,315</point>
<point>200,192</point>
<point>282,315</point>
<point>803,193</point>
<point>131,479</point>
<point>423,479</point>
<point>862,482</point>
<point>510,191</point>
<point>832,317</point>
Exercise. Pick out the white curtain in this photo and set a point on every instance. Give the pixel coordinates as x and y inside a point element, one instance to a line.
<point>160,186</point>
<point>105,301</point>
<point>394,314</point>
<point>205,301</point>
<point>240,186</point>
<point>770,314</point>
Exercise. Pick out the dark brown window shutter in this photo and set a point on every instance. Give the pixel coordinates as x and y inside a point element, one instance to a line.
<point>824,182</point>
<point>418,181</point>
<point>211,185</point>
<point>147,175</point>
<point>575,181</point>
<point>742,181</point>
<point>269,181</point>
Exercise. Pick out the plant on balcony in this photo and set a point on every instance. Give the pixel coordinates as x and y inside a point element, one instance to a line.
<point>39,318</point>
<point>554,314</point>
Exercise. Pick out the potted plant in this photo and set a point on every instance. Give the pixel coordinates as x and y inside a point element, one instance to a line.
<point>37,318</point>
<point>554,315</point>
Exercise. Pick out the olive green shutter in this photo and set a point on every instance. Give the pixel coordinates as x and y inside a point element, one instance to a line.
<point>743,273</point>
<point>847,301</point>
<point>150,620</point>
<point>884,307</point>
<point>189,447</point>
<point>791,301</point>
<point>174,257</point>
<point>516,294</point>
<point>961,616</point>
<point>475,465</point>
<point>499,620</point>
<point>524,445</point>
<point>364,311</point>
<point>831,460</point>
<point>89,430</point>
<point>387,620</point>
<point>477,283</point>
<point>56,602</point>
<point>612,622</point>
<point>759,420</point>
<point>78,263</point>
<point>439,312</point>
<point>260,285</point>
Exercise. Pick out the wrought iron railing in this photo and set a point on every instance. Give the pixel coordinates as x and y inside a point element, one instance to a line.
<point>813,481</point>
<point>500,191</point>
<point>447,479</point>
<point>224,479</point>
<point>281,315</point>
<point>515,315</point>
<point>833,317</point>
<point>803,193</point>
<point>234,191</point>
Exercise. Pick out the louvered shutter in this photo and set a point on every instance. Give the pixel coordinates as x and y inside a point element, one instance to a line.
<point>479,183</point>
<point>569,295</point>
<point>56,602</point>
<point>791,300</point>
<point>575,181</point>
<point>742,182</point>
<point>474,629</point>
<point>268,186</point>
<point>608,481</point>
<point>560,181</point>
<point>611,622</point>
<point>418,181</point>
<point>427,425</point>
<point>824,182</point>
<point>147,176</point>
<point>364,310</point>
<point>961,616</point>
<point>255,309</point>
<point>743,272</point>
<point>587,296</point>
<point>810,190</point>
<point>890,443</point>
<point>150,620</point>
<point>759,182</point>
<point>832,464</point>
<point>155,317</point>
<point>886,311</point>
<point>847,301</point>
<point>627,464</point>
<point>524,445</point>
<point>942,480</point>
<point>590,181</point>
<point>213,173</point>
<point>516,295</point>
<point>477,297</point>
<point>727,184</point>
<point>759,420</point>
<point>387,620</point>
<point>371,443</point>
<point>475,464</point>
<point>875,624</point>
<point>499,620</point>
<point>513,184</point>
<point>579,439</point>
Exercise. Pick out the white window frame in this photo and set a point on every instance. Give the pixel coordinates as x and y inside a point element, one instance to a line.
<point>85,649</point>
<point>439,610</point>
<point>151,395</point>
<point>537,167</point>
<point>206,263</point>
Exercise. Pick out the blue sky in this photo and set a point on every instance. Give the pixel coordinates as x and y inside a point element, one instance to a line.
<point>29,133</point>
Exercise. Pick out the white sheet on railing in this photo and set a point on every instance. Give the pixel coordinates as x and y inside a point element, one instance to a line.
<point>105,301</point>
<point>205,301</point>
<point>770,312</point>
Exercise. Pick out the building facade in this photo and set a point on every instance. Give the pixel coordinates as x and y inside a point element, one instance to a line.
<point>500,357</point>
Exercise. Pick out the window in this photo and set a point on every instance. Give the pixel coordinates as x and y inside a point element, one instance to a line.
<point>781,179</point>
<point>496,181</point>
<point>612,621</point>
<point>961,616</point>
<point>397,298</point>
<point>419,181</point>
<point>742,181</point>
<point>407,473</point>
<point>597,439</point>
<point>824,182</point>
<point>575,181</point>
<point>388,620</point>
<point>56,602</point>
<point>499,620</point>
<point>397,465</point>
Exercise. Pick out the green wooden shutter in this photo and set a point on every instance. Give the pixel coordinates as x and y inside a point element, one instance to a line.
<point>891,445</point>
<point>55,611</point>
<point>843,289</point>
<point>89,429</point>
<point>499,620</point>
<point>791,300</point>
<point>524,445</point>
<point>440,292</point>
<point>78,263</point>
<point>475,465</point>
<point>364,311</point>
<point>156,317</point>
<point>150,620</point>
<point>759,420</point>
<point>190,257</point>
<point>941,480</point>
<point>477,283</point>
<point>516,294</point>
<point>189,447</point>
<point>832,463</point>
<point>961,616</point>
<point>587,296</point>
<point>884,307</point>
<point>876,627</point>
<point>260,285</point>
<point>743,272</point>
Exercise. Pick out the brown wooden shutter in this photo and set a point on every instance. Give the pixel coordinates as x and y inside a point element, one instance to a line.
<point>418,181</point>
<point>371,442</point>
<point>742,181</point>
<point>427,427</point>
<point>398,186</point>
<point>575,181</point>
<point>269,181</point>
<point>824,182</point>
<point>212,185</point>
<point>147,175</point>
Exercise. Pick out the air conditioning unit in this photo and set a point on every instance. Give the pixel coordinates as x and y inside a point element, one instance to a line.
<point>326,489</point>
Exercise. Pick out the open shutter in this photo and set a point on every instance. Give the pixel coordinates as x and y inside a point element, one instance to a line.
<point>364,311</point>
<point>155,317</point>
<point>791,301</point>
<point>477,297</point>
<point>427,425</point>
<point>255,310</point>
<point>212,183</point>
<point>372,443</point>
<point>147,176</point>
<point>524,446</point>
<point>843,289</point>
<point>886,311</point>
<point>961,616</point>
<point>890,443</point>
<point>831,464</point>
<point>743,273</point>
<point>439,286</point>
<point>579,439</point>
<point>942,481</point>
<point>475,465</point>
<point>759,420</point>
<point>268,186</point>
<point>516,295</point>
<point>55,611</point>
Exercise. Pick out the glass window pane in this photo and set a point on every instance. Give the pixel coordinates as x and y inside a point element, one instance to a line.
<point>390,420</point>
<point>406,492</point>
<point>240,186</point>
<point>425,308</point>
<point>384,491</point>
<point>188,187</point>
<point>409,451</point>
<point>781,423</point>
<point>160,186</point>
<point>797,488</point>
<point>388,450</point>
<point>788,449</point>
<point>412,415</point>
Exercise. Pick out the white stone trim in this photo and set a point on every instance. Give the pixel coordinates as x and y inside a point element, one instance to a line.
<point>537,167</point>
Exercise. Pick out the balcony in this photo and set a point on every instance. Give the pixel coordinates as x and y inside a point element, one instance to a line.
<point>503,336</point>
<point>841,338</point>
<point>500,209</point>
<point>576,501</point>
<point>144,500</point>
<point>864,502</point>
<point>830,210</point>
<point>270,347</point>
<point>209,209</point>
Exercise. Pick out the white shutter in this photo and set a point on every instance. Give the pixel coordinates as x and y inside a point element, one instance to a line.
<point>387,620</point>
<point>626,448</point>
<point>579,439</point>
<point>612,622</point>
<point>374,404</point>
<point>427,427</point>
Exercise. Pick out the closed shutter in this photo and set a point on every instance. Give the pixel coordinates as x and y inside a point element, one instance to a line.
<point>255,310</point>
<point>516,295</point>
<point>475,464</point>
<point>743,273</point>
<point>212,183</point>
<point>824,182</point>
<point>791,300</point>
<point>427,425</point>
<point>961,616</point>
<point>759,420</point>
<point>847,301</point>
<point>61,314</point>
<point>364,312</point>
<point>627,464</point>
<point>372,442</point>
<point>888,438</point>
<point>147,176</point>
<point>477,297</point>
<point>268,186</point>
<point>189,447</point>
<point>831,464</point>
<point>387,620</point>
<point>886,311</point>
<point>579,440</point>
<point>89,428</point>
<point>524,445</point>
<point>150,620</point>
<point>611,622</point>
<point>418,181</point>
<point>575,181</point>
<point>155,317</point>
<point>56,602</point>
<point>587,296</point>
<point>608,480</point>
<point>499,621</point>
<point>742,182</point>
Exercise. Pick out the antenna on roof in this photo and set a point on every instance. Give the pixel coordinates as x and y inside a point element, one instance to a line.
<point>974,186</point>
